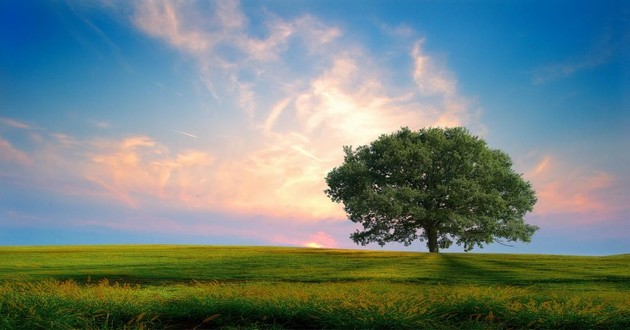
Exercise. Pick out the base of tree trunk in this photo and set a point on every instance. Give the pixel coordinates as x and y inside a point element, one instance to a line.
<point>432,244</point>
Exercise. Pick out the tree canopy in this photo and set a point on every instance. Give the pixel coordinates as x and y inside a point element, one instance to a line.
<point>439,185</point>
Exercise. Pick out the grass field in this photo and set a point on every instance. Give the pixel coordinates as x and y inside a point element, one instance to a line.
<point>157,287</point>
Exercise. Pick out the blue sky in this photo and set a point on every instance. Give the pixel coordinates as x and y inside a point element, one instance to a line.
<point>215,122</point>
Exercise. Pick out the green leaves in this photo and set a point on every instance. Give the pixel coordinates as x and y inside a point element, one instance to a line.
<point>438,185</point>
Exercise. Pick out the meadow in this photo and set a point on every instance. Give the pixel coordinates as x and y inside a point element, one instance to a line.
<point>200,287</point>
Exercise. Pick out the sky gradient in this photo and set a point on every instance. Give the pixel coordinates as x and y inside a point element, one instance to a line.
<point>215,122</point>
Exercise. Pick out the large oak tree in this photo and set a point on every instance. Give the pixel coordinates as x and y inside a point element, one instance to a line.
<point>435,185</point>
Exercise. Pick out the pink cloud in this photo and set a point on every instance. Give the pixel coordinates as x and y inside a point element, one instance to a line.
<point>138,167</point>
<point>14,123</point>
<point>273,181</point>
<point>9,154</point>
<point>283,180</point>
<point>565,189</point>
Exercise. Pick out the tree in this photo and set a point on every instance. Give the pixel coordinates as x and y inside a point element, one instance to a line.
<point>435,185</point>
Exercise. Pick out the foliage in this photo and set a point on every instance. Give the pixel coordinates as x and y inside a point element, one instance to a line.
<point>290,288</point>
<point>436,185</point>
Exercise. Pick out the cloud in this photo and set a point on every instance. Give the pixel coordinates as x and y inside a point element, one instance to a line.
<point>282,180</point>
<point>430,77</point>
<point>64,139</point>
<point>569,67</point>
<point>9,154</point>
<point>600,53</point>
<point>304,89</point>
<point>219,37</point>
<point>162,19</point>
<point>236,65</point>
<point>276,111</point>
<point>279,180</point>
<point>562,189</point>
<point>138,170</point>
<point>103,124</point>
<point>52,163</point>
<point>293,90</point>
<point>15,123</point>
<point>187,134</point>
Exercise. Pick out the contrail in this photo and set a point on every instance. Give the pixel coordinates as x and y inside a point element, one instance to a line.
<point>305,153</point>
<point>187,134</point>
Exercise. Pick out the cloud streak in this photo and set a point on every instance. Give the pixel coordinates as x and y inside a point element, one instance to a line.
<point>187,134</point>
<point>602,52</point>
<point>14,123</point>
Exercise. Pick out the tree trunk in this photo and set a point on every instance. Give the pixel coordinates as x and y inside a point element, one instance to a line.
<point>432,244</point>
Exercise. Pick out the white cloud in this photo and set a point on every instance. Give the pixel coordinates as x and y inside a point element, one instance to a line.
<point>187,134</point>
<point>431,78</point>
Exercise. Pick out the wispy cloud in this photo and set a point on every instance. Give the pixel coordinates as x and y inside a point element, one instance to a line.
<point>9,154</point>
<point>104,124</point>
<point>431,78</point>
<point>599,54</point>
<point>64,139</point>
<point>187,134</point>
<point>276,111</point>
<point>568,68</point>
<point>561,188</point>
<point>163,19</point>
<point>14,123</point>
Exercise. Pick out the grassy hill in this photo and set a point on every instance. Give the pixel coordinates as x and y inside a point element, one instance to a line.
<point>105,287</point>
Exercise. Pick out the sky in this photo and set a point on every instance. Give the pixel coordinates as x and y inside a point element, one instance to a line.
<point>215,122</point>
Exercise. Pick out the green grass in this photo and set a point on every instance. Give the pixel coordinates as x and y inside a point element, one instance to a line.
<point>116,287</point>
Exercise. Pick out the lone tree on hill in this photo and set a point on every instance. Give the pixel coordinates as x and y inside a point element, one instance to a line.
<point>436,185</point>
